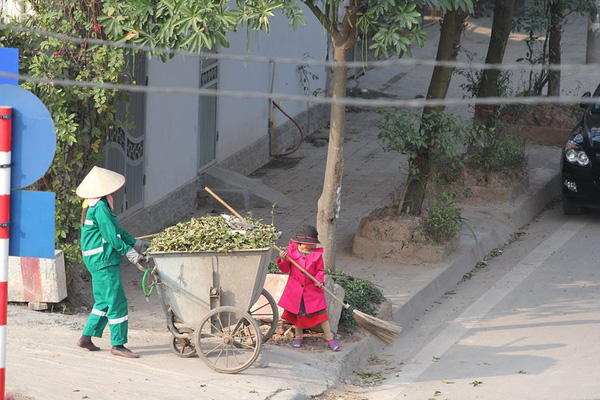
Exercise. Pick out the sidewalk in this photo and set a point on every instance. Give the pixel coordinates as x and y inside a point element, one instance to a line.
<point>43,362</point>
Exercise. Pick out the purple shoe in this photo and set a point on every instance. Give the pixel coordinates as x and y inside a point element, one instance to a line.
<point>297,343</point>
<point>333,345</point>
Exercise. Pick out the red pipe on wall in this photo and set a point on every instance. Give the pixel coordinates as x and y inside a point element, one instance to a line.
<point>295,123</point>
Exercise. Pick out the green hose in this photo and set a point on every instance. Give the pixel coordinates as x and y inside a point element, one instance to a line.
<point>146,292</point>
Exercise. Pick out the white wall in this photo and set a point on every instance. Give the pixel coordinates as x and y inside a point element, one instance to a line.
<point>252,115</point>
<point>172,120</point>
<point>171,127</point>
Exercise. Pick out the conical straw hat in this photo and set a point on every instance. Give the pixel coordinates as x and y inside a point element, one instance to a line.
<point>99,182</point>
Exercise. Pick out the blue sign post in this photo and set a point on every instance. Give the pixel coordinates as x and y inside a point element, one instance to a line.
<point>32,227</point>
<point>27,147</point>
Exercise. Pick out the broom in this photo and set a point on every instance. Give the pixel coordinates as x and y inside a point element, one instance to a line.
<point>384,330</point>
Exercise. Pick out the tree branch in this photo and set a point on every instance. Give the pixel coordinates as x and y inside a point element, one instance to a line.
<point>327,24</point>
<point>348,27</point>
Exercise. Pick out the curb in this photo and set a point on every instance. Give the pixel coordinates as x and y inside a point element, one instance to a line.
<point>517,214</point>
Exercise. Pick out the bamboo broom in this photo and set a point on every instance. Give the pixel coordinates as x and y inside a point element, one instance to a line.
<point>385,331</point>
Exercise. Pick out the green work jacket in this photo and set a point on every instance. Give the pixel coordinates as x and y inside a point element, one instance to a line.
<point>103,241</point>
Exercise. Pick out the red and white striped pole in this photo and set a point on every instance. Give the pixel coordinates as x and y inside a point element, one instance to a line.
<point>5,161</point>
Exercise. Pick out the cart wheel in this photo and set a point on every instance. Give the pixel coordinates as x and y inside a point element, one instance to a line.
<point>265,311</point>
<point>183,347</point>
<point>228,339</point>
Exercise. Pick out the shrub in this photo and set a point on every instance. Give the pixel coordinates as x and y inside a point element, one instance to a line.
<point>273,269</point>
<point>409,132</point>
<point>361,294</point>
<point>444,220</point>
<point>500,153</point>
<point>82,116</point>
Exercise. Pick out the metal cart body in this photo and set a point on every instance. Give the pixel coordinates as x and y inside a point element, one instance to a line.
<point>208,300</point>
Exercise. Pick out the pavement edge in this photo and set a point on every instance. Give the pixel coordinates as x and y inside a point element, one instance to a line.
<point>518,214</point>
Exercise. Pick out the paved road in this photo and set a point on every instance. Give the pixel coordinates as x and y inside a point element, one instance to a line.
<point>523,327</point>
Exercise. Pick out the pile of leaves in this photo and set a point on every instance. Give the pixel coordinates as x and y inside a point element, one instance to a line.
<point>213,233</point>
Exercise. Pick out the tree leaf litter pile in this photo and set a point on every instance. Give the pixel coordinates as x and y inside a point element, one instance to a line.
<point>216,234</point>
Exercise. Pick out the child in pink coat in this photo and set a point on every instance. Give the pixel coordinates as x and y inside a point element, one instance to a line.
<point>303,300</point>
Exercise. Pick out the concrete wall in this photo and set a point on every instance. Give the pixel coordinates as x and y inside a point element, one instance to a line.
<point>250,130</point>
<point>171,127</point>
<point>252,116</point>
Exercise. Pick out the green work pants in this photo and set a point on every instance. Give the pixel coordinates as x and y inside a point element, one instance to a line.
<point>110,306</point>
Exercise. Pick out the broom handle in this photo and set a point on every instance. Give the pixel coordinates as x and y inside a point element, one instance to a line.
<point>147,237</point>
<point>347,306</point>
<point>312,277</point>
<point>220,200</point>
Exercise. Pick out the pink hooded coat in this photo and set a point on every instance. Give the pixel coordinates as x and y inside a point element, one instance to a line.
<point>299,286</point>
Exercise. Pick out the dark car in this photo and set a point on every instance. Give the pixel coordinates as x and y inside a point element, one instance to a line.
<point>580,161</point>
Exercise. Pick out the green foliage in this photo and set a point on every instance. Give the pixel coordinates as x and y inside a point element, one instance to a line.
<point>306,76</point>
<point>444,220</point>
<point>447,170</point>
<point>189,25</point>
<point>409,132</point>
<point>500,153</point>
<point>393,26</point>
<point>535,21</point>
<point>390,26</point>
<point>273,269</point>
<point>81,116</point>
<point>473,79</point>
<point>361,294</point>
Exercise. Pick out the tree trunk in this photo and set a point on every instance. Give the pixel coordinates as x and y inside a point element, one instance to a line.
<point>449,44</point>
<point>329,202</point>
<point>518,7</point>
<point>343,38</point>
<point>556,17</point>
<point>592,50</point>
<point>488,86</point>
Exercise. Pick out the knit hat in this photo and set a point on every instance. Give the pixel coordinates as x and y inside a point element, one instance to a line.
<point>306,234</point>
<point>99,182</point>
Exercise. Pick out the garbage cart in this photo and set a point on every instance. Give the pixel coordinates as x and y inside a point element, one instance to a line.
<point>215,304</point>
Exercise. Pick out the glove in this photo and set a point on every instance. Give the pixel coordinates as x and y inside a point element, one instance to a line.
<point>141,246</point>
<point>134,257</point>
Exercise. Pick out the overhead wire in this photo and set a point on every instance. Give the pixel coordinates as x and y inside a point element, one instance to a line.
<point>306,61</point>
<point>348,101</point>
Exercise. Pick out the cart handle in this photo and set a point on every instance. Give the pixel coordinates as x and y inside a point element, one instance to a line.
<point>146,292</point>
<point>147,270</point>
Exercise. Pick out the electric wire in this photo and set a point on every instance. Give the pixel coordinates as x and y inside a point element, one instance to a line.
<point>311,62</point>
<point>348,101</point>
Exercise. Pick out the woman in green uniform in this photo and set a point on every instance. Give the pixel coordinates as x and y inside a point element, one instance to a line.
<point>103,244</point>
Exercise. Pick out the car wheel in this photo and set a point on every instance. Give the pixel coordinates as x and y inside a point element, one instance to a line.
<point>571,209</point>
